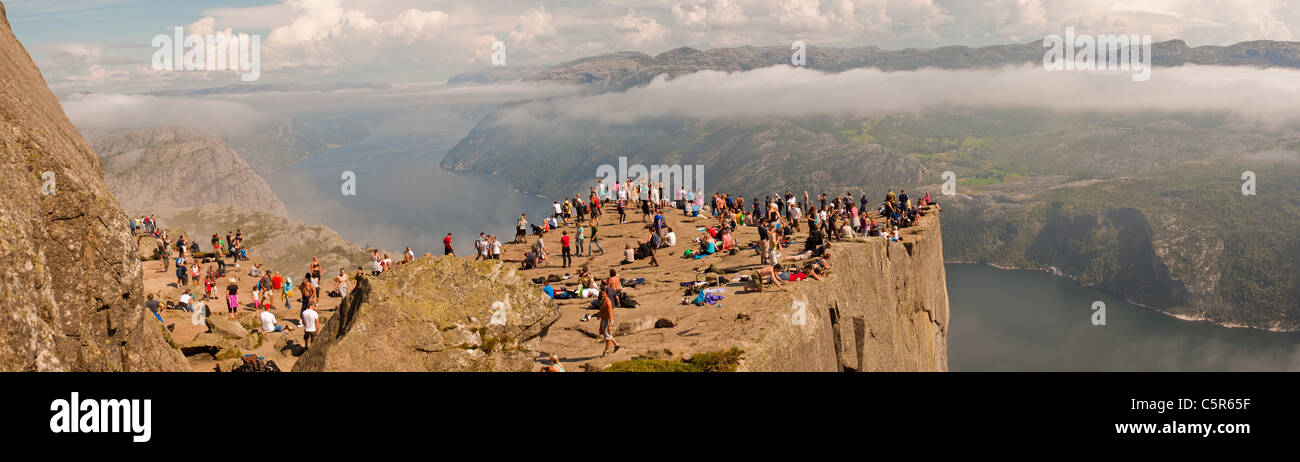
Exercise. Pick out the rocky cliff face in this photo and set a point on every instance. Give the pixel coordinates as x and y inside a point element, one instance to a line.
<point>71,286</point>
<point>887,310</point>
<point>435,314</point>
<point>156,168</point>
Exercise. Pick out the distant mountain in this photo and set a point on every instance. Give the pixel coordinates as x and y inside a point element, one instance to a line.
<point>622,70</point>
<point>157,168</point>
<point>288,140</point>
<point>761,156</point>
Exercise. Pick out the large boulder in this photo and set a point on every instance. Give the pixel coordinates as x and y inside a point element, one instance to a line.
<point>70,276</point>
<point>435,314</point>
<point>226,328</point>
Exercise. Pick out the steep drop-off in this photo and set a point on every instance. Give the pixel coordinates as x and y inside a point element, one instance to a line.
<point>70,293</point>
<point>885,310</point>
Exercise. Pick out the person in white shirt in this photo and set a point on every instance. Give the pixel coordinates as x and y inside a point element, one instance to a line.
<point>481,245</point>
<point>268,322</point>
<point>672,238</point>
<point>309,321</point>
<point>185,301</point>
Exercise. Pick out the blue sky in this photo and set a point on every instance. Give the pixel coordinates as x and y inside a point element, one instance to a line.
<point>38,22</point>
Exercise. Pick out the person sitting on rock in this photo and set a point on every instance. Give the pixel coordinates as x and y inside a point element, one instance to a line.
<point>555,365</point>
<point>185,300</point>
<point>268,322</point>
<point>530,261</point>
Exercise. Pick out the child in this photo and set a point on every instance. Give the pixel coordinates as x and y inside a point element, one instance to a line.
<point>288,291</point>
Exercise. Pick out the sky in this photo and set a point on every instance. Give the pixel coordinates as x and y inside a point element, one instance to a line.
<point>108,45</point>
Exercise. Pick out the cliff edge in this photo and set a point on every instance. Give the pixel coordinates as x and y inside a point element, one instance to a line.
<point>71,282</point>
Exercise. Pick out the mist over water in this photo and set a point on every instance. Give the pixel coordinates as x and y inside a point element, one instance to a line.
<point>403,198</point>
<point>1025,320</point>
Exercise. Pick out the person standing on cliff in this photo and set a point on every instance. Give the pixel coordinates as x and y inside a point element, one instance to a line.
<point>277,285</point>
<point>315,274</point>
<point>595,239</point>
<point>606,316</point>
<point>446,246</point>
<point>309,323</point>
<point>341,283</point>
<point>565,256</point>
<point>521,228</point>
<point>232,298</point>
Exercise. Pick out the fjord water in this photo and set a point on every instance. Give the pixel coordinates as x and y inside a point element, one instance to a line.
<point>403,198</point>
<point>1026,320</point>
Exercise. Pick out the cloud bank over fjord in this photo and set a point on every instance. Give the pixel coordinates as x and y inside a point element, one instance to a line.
<point>239,114</point>
<point>1260,95</point>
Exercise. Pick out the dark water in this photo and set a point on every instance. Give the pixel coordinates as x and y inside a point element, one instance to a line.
<point>1023,320</point>
<point>402,197</point>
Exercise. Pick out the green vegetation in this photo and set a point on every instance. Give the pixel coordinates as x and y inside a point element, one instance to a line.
<point>229,353</point>
<point>717,361</point>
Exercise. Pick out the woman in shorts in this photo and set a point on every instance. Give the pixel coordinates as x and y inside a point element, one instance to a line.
<point>232,298</point>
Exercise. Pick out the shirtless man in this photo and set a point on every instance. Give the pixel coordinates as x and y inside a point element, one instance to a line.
<point>614,284</point>
<point>767,272</point>
<point>606,316</point>
<point>341,283</point>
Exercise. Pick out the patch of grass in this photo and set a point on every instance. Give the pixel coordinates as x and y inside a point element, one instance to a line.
<point>229,353</point>
<point>490,343</point>
<point>717,361</point>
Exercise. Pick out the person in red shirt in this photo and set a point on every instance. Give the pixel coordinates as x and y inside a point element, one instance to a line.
<point>564,249</point>
<point>446,246</point>
<point>277,282</point>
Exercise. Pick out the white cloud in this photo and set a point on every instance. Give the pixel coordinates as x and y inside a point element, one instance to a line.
<point>1263,95</point>
<point>640,30</point>
<point>533,25</point>
<point>709,13</point>
<point>412,40</point>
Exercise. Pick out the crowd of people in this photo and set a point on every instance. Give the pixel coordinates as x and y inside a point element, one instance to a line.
<point>819,220</point>
<point>200,284</point>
